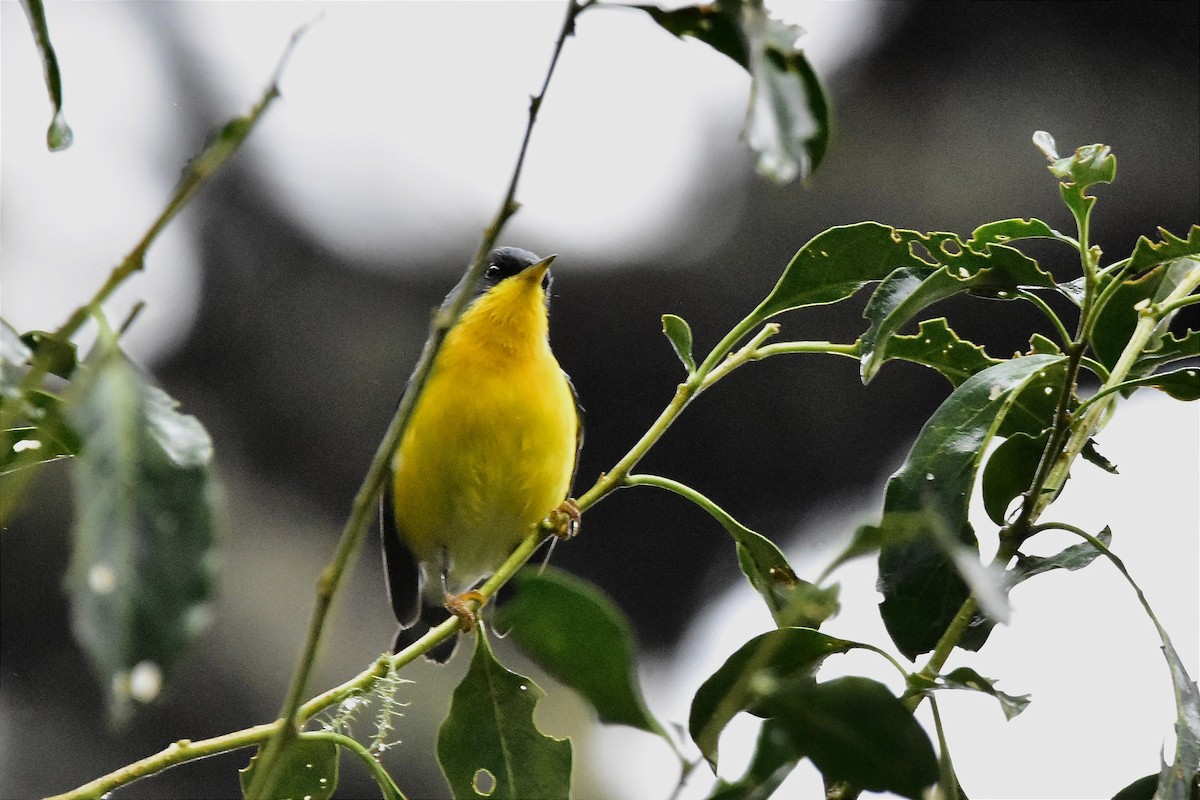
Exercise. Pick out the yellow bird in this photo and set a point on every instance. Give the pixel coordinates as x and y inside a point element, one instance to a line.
<point>491,450</point>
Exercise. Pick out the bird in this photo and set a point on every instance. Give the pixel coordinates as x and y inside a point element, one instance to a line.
<point>491,449</point>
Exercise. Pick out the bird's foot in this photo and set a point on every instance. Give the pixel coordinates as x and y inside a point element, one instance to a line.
<point>460,606</point>
<point>564,520</point>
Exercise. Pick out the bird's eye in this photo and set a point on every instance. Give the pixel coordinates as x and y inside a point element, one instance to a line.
<point>492,271</point>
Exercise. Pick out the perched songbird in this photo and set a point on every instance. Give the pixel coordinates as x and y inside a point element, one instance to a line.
<point>489,452</point>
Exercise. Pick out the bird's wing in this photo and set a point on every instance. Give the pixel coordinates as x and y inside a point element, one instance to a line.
<point>578,431</point>
<point>399,564</point>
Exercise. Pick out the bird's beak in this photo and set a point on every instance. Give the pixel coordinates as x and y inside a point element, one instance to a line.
<point>535,272</point>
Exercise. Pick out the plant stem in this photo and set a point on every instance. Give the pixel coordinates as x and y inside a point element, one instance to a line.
<point>365,501</point>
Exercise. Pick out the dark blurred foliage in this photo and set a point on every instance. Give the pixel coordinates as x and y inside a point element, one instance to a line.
<point>298,358</point>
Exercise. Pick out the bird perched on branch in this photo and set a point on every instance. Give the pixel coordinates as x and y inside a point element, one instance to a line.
<point>490,451</point>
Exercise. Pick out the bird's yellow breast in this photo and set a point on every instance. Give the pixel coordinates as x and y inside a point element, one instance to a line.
<point>490,448</point>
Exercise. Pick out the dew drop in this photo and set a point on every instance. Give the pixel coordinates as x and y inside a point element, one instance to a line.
<point>26,444</point>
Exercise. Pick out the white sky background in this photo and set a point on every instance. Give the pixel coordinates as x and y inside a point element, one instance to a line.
<point>1079,642</point>
<point>397,130</point>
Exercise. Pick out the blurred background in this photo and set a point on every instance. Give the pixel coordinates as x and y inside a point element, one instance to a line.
<point>287,304</point>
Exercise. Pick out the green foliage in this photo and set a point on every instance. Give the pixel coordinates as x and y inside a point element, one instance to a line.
<point>788,124</point>
<point>58,135</point>
<point>853,729</point>
<point>679,333</point>
<point>140,576</point>
<point>489,745</point>
<point>309,769</point>
<point>968,679</point>
<point>574,632</point>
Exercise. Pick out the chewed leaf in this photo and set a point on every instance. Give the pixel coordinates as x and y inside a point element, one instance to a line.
<point>1171,348</point>
<point>937,346</point>
<point>1089,165</point>
<point>1148,254</point>
<point>580,637</point>
<point>489,746</point>
<point>680,335</point>
<point>1009,230</point>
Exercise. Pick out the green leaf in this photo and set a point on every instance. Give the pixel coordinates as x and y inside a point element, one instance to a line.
<point>1090,164</point>
<point>1009,473</point>
<point>1177,780</point>
<point>754,670</point>
<point>836,263</point>
<point>140,577</point>
<point>936,345</point>
<point>489,746</point>
<point>967,678</point>
<point>919,575</point>
<point>1148,254</point>
<point>59,356</point>
<point>1182,384</point>
<point>855,730</point>
<point>308,768</point>
<point>680,336</point>
<point>1170,349</point>
<point>1008,230</point>
<point>715,24</point>
<point>775,756</point>
<point>998,272</point>
<point>58,136</point>
<point>1117,318</point>
<point>1077,556</point>
<point>1041,345</point>
<point>1093,456</point>
<point>1141,789</point>
<point>792,601</point>
<point>788,122</point>
<point>576,633</point>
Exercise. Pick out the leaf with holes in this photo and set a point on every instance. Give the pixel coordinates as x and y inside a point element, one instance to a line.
<point>489,746</point>
<point>576,633</point>
<point>937,346</point>
<point>308,768</point>
<point>1010,230</point>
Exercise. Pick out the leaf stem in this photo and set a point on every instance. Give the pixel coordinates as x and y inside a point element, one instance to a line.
<point>386,784</point>
<point>1064,335</point>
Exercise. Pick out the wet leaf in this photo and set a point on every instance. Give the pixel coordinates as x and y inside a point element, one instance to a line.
<point>680,335</point>
<point>576,633</point>
<point>922,587</point>
<point>59,135</point>
<point>489,746</point>
<point>141,575</point>
<point>853,729</point>
<point>756,669</point>
<point>308,768</point>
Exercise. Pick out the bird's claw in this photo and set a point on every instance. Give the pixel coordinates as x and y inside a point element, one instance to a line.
<point>460,606</point>
<point>564,520</point>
